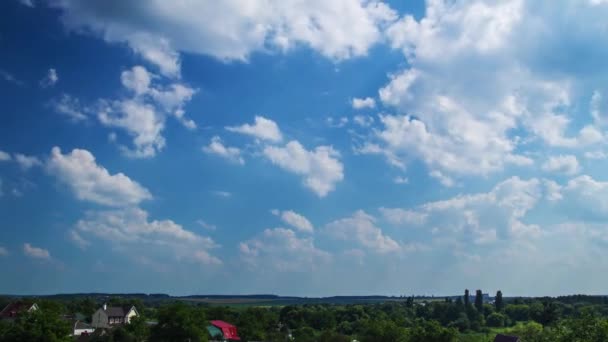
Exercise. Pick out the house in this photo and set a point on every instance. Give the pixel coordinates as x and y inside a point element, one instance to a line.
<point>12,310</point>
<point>228,331</point>
<point>108,316</point>
<point>505,338</point>
<point>82,328</point>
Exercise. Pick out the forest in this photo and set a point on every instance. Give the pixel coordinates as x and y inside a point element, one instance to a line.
<point>465,318</point>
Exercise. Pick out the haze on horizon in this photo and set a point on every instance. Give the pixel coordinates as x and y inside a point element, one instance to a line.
<point>349,147</point>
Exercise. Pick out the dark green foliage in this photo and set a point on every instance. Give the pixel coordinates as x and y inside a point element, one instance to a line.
<point>466,297</point>
<point>499,304</point>
<point>431,331</point>
<point>479,301</point>
<point>180,322</point>
<point>37,326</point>
<point>496,320</point>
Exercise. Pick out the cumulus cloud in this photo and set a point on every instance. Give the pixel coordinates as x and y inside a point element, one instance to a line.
<point>131,226</point>
<point>295,220</point>
<point>3,251</point>
<point>27,162</point>
<point>50,79</point>
<point>362,103</point>
<point>263,129</point>
<point>144,114</point>
<point>338,29</point>
<point>70,107</point>
<point>479,218</point>
<point>78,240</point>
<point>361,228</point>
<point>451,120</point>
<point>36,252</point>
<point>92,182</point>
<point>4,156</point>
<point>280,249</point>
<point>320,168</point>
<point>231,154</point>
<point>566,164</point>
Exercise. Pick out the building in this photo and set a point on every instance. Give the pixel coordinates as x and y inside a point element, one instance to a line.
<point>505,338</point>
<point>82,328</point>
<point>12,310</point>
<point>228,331</point>
<point>108,316</point>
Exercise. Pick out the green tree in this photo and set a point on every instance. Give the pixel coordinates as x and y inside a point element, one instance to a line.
<point>496,320</point>
<point>431,331</point>
<point>498,301</point>
<point>138,329</point>
<point>466,298</point>
<point>179,322</point>
<point>479,301</point>
<point>38,326</point>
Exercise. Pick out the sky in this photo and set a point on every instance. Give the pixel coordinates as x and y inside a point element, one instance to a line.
<point>309,148</point>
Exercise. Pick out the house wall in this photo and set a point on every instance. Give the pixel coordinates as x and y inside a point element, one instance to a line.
<point>100,319</point>
<point>132,313</point>
<point>78,332</point>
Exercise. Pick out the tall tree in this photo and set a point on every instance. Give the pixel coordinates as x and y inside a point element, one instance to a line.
<point>479,301</point>
<point>466,297</point>
<point>498,301</point>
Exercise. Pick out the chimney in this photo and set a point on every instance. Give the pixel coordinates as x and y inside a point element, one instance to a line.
<point>105,306</point>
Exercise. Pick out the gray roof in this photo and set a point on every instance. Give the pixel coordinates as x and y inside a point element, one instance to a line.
<point>116,311</point>
<point>505,338</point>
<point>81,325</point>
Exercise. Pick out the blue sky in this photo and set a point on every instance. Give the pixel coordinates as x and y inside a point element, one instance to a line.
<point>332,148</point>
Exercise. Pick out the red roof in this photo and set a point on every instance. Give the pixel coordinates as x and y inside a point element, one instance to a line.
<point>14,309</point>
<point>228,330</point>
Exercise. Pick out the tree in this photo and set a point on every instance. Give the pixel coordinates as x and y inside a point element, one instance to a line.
<point>179,322</point>
<point>498,301</point>
<point>38,326</point>
<point>496,319</point>
<point>479,301</point>
<point>466,298</point>
<point>431,331</point>
<point>138,328</point>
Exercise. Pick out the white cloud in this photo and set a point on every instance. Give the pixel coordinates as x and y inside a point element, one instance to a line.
<point>206,225</point>
<point>50,79</point>
<point>361,228</point>
<point>401,180</point>
<point>586,195</point>
<point>457,124</point>
<point>27,162</point>
<point>78,240</point>
<point>4,156</point>
<point>221,193</point>
<point>336,122</point>
<point>295,220</point>
<point>363,121</point>
<point>143,115</point>
<point>596,155</point>
<point>28,3</point>
<point>367,102</point>
<point>566,164</point>
<point>35,252</point>
<point>216,147</point>
<point>320,167</point>
<point>92,182</point>
<point>205,258</point>
<point>479,218</point>
<point>443,179</point>
<point>280,249</point>
<point>263,128</point>
<point>3,251</point>
<point>7,76</point>
<point>132,227</point>
<point>337,29</point>
<point>70,107</point>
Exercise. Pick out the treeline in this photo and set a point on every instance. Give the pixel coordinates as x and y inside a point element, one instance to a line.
<point>466,318</point>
